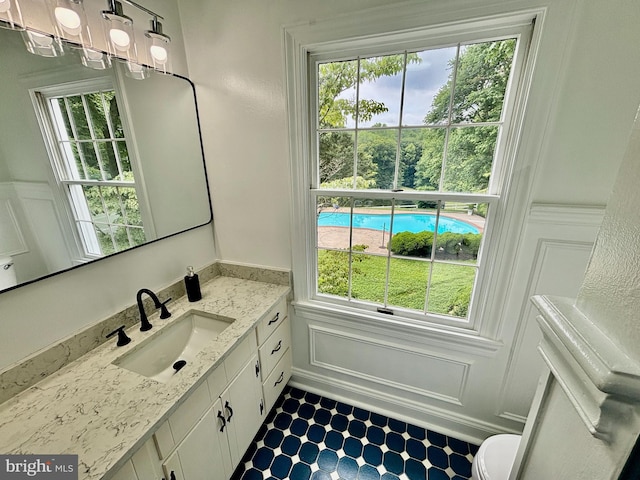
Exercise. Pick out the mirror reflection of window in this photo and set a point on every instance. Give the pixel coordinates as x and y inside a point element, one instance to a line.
<point>91,161</point>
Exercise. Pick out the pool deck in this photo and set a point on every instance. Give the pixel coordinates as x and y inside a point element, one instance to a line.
<point>376,240</point>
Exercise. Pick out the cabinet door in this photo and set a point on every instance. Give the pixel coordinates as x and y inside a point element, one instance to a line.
<point>204,452</point>
<point>244,408</point>
<point>126,472</point>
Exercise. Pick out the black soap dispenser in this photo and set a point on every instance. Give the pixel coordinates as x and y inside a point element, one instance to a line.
<point>192,284</point>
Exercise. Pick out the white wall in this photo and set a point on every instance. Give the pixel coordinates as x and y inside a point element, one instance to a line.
<point>582,105</point>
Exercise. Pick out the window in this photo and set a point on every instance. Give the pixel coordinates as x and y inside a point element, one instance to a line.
<point>92,165</point>
<point>409,154</point>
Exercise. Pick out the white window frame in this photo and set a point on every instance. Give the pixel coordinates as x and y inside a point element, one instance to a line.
<point>304,45</point>
<point>39,96</point>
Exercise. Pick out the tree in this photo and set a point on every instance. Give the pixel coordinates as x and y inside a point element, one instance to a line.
<point>481,79</point>
<point>336,106</point>
<point>379,149</point>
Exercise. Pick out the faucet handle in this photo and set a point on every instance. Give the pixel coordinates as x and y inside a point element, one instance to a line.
<point>164,313</point>
<point>122,336</point>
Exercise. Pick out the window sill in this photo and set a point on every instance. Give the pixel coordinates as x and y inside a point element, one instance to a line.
<point>458,340</point>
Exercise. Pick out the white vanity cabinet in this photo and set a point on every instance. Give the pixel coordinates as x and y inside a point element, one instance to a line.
<point>274,338</point>
<point>207,435</point>
<point>214,446</point>
<point>204,452</point>
<point>143,465</point>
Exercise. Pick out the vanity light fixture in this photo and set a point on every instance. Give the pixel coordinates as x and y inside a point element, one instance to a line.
<point>10,15</point>
<point>70,22</point>
<point>43,44</point>
<point>95,59</point>
<point>69,28</point>
<point>159,46</point>
<point>137,71</point>
<point>118,30</point>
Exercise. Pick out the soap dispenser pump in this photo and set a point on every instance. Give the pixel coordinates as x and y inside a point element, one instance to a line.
<point>192,285</point>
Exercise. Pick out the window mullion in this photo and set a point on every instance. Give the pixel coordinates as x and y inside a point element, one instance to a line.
<point>399,145</point>
<point>92,134</point>
<point>433,257</point>
<point>350,248</point>
<point>355,135</point>
<point>76,139</point>
<point>112,140</point>
<point>386,282</point>
<point>445,150</point>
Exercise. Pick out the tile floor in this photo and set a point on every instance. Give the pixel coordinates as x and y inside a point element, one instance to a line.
<point>306,436</point>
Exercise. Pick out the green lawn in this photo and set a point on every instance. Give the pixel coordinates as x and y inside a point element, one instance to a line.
<point>450,284</point>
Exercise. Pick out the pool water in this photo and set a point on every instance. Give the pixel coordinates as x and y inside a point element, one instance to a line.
<point>404,222</point>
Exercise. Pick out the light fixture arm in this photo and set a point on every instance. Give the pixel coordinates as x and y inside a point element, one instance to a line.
<point>140,7</point>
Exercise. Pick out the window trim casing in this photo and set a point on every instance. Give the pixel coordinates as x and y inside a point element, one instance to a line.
<point>303,41</point>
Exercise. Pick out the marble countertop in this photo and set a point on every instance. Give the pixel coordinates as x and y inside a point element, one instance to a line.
<point>104,413</point>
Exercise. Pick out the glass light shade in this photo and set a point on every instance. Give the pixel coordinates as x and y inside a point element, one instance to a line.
<point>136,71</point>
<point>70,22</point>
<point>159,47</point>
<point>119,36</point>
<point>95,59</point>
<point>10,15</point>
<point>42,44</point>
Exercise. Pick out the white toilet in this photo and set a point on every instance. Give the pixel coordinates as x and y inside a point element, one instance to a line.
<point>495,457</point>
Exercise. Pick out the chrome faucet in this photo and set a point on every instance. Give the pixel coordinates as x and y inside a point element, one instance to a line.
<point>164,313</point>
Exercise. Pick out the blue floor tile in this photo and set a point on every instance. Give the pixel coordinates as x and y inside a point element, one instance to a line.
<point>309,437</point>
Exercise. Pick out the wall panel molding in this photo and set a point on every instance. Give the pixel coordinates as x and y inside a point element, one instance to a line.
<point>556,249</point>
<point>12,241</point>
<point>331,349</point>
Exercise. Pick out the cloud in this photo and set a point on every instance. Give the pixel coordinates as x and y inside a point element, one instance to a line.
<point>422,83</point>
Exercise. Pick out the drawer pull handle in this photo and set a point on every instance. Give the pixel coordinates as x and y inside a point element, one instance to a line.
<point>257,368</point>
<point>279,379</point>
<point>278,347</point>
<point>228,407</point>
<point>172,476</point>
<point>274,319</point>
<point>261,406</point>
<point>224,421</point>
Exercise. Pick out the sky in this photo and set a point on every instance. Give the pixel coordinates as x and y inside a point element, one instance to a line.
<point>423,81</point>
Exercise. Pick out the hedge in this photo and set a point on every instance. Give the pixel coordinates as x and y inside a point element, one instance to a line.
<point>458,245</point>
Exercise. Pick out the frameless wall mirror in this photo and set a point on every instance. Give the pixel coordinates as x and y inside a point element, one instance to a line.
<point>92,162</point>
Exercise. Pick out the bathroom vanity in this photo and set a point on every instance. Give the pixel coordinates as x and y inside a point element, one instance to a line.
<point>124,424</point>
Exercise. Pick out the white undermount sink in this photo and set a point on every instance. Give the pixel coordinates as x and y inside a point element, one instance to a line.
<point>156,356</point>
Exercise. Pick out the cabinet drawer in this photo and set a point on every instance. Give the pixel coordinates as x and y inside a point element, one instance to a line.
<point>275,383</point>
<point>271,320</point>
<point>240,356</point>
<point>273,349</point>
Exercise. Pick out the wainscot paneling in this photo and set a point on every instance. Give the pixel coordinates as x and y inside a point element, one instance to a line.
<point>40,208</point>
<point>11,237</point>
<point>385,363</point>
<point>556,247</point>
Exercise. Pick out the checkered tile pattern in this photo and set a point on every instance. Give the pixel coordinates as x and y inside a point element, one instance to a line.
<point>306,437</point>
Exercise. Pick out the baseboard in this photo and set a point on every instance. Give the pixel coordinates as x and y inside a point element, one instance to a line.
<point>423,415</point>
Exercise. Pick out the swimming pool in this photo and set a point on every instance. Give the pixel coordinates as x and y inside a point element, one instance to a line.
<point>403,222</point>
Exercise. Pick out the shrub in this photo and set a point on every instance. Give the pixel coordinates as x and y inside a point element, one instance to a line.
<point>412,244</point>
<point>463,246</point>
<point>428,204</point>
<point>333,272</point>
